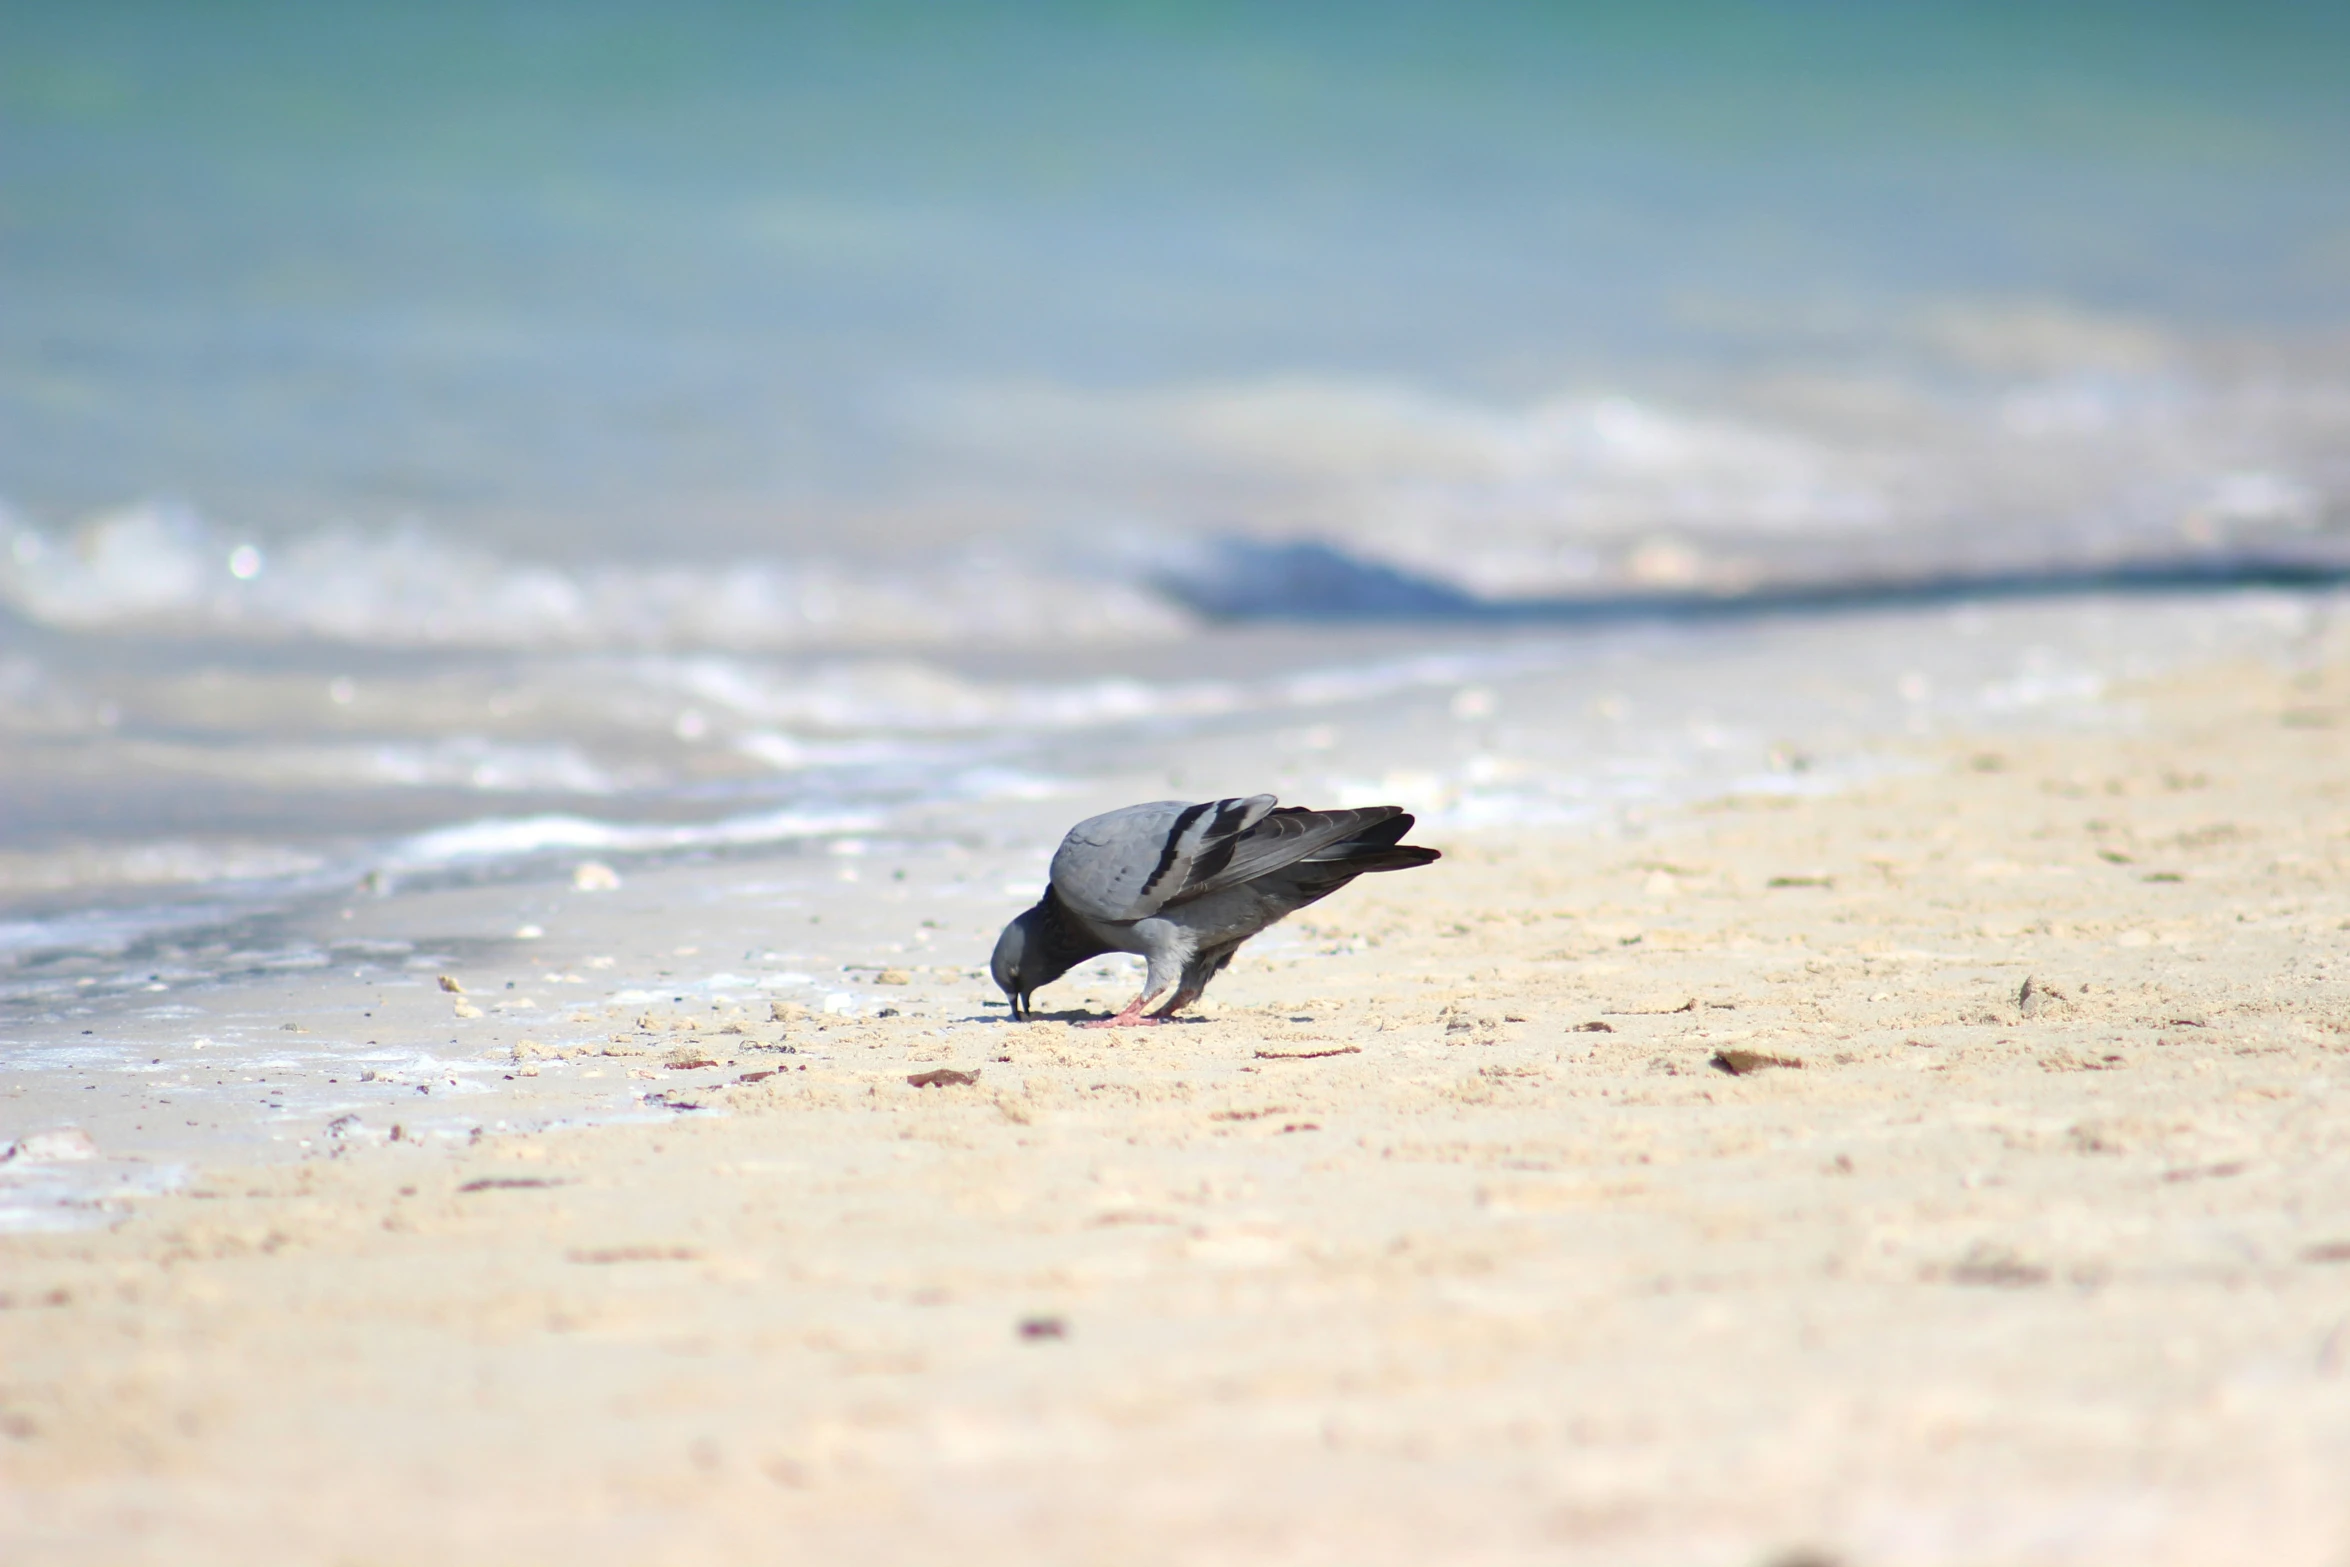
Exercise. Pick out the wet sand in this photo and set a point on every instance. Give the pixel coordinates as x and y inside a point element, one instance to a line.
<point>1716,1197</point>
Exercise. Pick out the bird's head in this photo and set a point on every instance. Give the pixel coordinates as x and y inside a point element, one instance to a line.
<point>1037,948</point>
<point>1016,963</point>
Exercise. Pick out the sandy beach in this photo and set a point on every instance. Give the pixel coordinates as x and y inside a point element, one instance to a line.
<point>564,570</point>
<point>1952,1171</point>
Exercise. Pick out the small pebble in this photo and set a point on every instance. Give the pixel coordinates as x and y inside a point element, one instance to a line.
<point>1738,1063</point>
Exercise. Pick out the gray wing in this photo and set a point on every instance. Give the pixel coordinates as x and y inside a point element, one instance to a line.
<point>1128,864</point>
<point>1352,841</point>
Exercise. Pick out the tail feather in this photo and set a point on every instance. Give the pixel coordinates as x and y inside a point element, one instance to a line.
<point>1378,835</point>
<point>1399,857</point>
<point>1308,881</point>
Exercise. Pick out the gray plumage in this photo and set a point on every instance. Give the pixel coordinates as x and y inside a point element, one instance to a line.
<point>1183,885</point>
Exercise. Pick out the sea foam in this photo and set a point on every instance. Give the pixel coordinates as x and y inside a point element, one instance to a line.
<point>161,566</point>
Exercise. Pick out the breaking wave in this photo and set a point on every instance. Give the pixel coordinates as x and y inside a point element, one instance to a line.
<point>160,566</point>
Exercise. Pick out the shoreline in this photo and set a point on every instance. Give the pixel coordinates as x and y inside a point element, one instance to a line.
<point>1484,1219</point>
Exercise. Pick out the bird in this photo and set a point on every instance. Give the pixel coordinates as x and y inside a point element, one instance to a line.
<point>1183,885</point>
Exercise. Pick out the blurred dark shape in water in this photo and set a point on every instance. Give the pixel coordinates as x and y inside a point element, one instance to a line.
<point>1247,579</point>
<point>1308,581</point>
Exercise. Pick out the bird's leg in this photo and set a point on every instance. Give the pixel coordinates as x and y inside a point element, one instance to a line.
<point>1175,1003</point>
<point>1132,1017</point>
<point>1157,979</point>
<point>1195,976</point>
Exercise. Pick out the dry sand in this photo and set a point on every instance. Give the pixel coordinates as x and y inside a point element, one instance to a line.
<point>1446,1238</point>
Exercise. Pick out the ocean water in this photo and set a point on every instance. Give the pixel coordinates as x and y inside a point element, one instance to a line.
<point>440,445</point>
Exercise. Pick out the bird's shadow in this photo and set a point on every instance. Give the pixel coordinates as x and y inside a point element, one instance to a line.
<point>1070,1015</point>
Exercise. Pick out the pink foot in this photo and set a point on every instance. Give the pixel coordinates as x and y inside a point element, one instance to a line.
<point>1130,1018</point>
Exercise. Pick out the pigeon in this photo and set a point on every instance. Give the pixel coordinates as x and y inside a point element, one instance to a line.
<point>1183,885</point>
